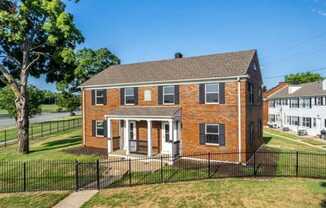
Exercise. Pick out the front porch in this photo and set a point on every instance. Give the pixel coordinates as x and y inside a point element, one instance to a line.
<point>145,131</point>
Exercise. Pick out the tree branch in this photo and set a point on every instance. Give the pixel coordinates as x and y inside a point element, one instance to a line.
<point>10,80</point>
<point>32,62</point>
<point>7,55</point>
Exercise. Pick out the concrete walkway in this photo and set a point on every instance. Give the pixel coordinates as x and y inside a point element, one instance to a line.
<point>76,199</point>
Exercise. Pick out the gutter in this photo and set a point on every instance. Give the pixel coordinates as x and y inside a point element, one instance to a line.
<point>163,82</point>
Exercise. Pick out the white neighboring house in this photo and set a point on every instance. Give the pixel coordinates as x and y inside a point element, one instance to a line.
<point>299,107</point>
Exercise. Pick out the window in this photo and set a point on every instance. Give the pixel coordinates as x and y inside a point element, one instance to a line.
<point>212,93</point>
<point>212,133</point>
<point>100,128</point>
<point>294,103</point>
<point>314,122</point>
<point>147,95</point>
<point>251,133</point>
<point>251,93</point>
<point>306,122</point>
<point>167,132</point>
<point>272,118</point>
<point>272,103</point>
<point>168,95</point>
<point>99,97</point>
<point>318,100</point>
<point>306,102</point>
<point>294,121</point>
<point>129,96</point>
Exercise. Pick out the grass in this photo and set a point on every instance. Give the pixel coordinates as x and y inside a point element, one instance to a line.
<point>278,192</point>
<point>41,129</point>
<point>48,166</point>
<point>51,108</point>
<point>31,200</point>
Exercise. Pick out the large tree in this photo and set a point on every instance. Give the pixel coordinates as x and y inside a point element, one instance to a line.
<point>300,78</point>
<point>36,37</point>
<point>87,62</point>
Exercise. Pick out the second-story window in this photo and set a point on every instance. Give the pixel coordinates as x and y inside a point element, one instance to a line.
<point>168,94</point>
<point>99,97</point>
<point>212,93</point>
<point>129,96</point>
<point>251,93</point>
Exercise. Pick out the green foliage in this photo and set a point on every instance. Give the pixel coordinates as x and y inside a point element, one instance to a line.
<point>300,78</point>
<point>7,101</point>
<point>69,101</point>
<point>87,63</point>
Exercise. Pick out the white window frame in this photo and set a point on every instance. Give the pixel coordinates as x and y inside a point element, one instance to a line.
<point>218,93</point>
<point>97,96</point>
<point>164,93</point>
<point>96,127</point>
<point>125,95</point>
<point>218,134</point>
<point>147,95</point>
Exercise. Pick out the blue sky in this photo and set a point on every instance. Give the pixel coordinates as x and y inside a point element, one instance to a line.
<point>290,35</point>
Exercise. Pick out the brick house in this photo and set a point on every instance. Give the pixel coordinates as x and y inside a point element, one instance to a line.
<point>182,106</point>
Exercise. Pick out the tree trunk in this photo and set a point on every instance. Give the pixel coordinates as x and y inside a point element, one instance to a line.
<point>22,119</point>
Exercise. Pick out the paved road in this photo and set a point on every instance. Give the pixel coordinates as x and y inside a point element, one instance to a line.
<point>9,122</point>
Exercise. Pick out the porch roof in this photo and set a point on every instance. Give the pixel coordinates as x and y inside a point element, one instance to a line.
<point>144,112</point>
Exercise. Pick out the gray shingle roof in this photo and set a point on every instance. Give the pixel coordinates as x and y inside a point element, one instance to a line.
<point>152,111</point>
<point>307,89</point>
<point>210,66</point>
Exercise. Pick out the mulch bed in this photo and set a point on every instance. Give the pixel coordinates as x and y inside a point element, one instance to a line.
<point>102,153</point>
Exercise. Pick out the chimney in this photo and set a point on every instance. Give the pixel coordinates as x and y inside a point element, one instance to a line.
<point>178,55</point>
<point>324,84</point>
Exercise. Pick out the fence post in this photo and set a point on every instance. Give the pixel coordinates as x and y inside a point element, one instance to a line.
<point>209,165</point>
<point>98,174</point>
<point>25,183</point>
<point>77,174</point>
<point>32,136</point>
<point>162,180</point>
<point>297,164</point>
<point>255,171</point>
<point>129,172</point>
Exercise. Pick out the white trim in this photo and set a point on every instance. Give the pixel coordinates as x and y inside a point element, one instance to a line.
<point>140,117</point>
<point>84,119</point>
<point>168,82</point>
<point>218,94</point>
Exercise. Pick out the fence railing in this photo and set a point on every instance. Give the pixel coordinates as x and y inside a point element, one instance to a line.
<point>19,176</point>
<point>9,135</point>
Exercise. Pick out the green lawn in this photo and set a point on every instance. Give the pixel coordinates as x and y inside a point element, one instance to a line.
<point>223,193</point>
<point>52,108</point>
<point>31,200</point>
<point>41,129</point>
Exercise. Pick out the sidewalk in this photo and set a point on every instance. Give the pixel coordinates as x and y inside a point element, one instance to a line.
<point>76,199</point>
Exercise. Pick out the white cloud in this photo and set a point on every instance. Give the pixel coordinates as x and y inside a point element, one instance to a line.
<point>319,12</point>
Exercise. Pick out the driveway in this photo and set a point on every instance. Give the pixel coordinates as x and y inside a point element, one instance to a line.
<point>10,122</point>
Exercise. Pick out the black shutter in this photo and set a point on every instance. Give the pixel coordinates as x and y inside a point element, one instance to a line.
<point>93,97</point>
<point>160,95</point>
<point>221,137</point>
<point>176,94</point>
<point>201,93</point>
<point>202,136</point>
<point>136,95</point>
<point>105,97</point>
<point>93,128</point>
<point>122,96</point>
<point>106,128</point>
<point>222,93</point>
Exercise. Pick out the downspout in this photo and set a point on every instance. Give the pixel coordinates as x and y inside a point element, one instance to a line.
<point>239,118</point>
<point>83,108</point>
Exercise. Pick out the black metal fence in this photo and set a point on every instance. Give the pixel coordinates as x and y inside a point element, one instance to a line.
<point>9,135</point>
<point>19,176</point>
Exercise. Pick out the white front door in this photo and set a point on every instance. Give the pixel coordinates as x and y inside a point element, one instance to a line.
<point>132,136</point>
<point>166,143</point>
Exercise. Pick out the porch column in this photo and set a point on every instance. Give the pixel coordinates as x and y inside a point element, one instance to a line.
<point>109,135</point>
<point>149,138</point>
<point>126,134</point>
<point>170,130</point>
